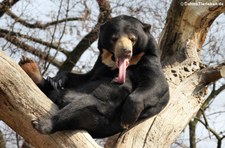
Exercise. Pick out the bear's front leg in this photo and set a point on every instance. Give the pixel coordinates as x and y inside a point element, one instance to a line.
<point>131,110</point>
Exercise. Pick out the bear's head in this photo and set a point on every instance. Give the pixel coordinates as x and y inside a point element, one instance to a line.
<point>123,40</point>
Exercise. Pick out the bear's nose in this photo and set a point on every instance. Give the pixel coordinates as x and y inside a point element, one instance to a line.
<point>126,51</point>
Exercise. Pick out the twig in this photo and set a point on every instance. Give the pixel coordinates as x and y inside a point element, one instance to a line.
<point>46,65</point>
<point>6,4</point>
<point>40,41</point>
<point>37,52</point>
<point>217,135</point>
<point>192,124</point>
<point>38,24</point>
<point>105,11</point>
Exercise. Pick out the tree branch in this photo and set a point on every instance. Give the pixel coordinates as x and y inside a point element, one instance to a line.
<point>37,52</point>
<point>192,124</point>
<point>2,140</point>
<point>40,25</point>
<point>210,75</point>
<point>40,41</point>
<point>192,135</point>
<point>217,135</point>
<point>213,74</point>
<point>104,8</point>
<point>5,5</point>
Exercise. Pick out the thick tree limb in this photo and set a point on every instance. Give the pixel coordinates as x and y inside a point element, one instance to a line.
<point>21,100</point>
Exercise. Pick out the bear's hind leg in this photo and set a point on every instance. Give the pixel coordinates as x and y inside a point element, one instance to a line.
<point>33,71</point>
<point>79,114</point>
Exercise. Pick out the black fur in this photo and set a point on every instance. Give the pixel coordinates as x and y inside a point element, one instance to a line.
<point>94,102</point>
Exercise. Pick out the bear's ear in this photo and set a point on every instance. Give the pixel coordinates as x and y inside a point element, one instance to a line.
<point>146,27</point>
<point>103,24</point>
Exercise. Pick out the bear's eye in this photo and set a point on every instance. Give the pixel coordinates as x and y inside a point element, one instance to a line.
<point>133,38</point>
<point>114,38</point>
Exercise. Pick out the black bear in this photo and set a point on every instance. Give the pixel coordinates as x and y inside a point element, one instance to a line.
<point>126,84</point>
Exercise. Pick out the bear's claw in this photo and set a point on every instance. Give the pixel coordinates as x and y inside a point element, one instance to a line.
<point>44,126</point>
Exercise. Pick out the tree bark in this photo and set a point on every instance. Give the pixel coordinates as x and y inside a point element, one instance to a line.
<point>181,41</point>
<point>21,101</point>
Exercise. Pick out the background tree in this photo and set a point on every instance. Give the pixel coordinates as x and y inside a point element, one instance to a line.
<point>57,33</point>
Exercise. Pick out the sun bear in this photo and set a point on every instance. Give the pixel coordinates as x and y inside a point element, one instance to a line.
<point>126,84</point>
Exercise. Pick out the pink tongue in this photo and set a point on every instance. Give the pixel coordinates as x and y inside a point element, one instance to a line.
<point>122,65</point>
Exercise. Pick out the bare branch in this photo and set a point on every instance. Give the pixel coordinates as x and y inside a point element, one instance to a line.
<point>40,41</point>
<point>2,141</point>
<point>46,64</point>
<point>192,124</point>
<point>104,8</point>
<point>6,4</point>
<point>211,130</point>
<point>37,52</point>
<point>192,135</point>
<point>40,25</point>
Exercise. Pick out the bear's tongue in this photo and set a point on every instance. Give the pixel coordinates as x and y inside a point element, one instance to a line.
<point>122,64</point>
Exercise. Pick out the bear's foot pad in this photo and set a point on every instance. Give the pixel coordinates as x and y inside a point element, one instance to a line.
<point>31,68</point>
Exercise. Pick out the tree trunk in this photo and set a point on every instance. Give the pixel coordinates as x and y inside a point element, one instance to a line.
<point>181,41</point>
